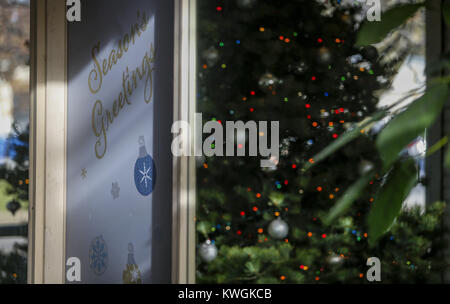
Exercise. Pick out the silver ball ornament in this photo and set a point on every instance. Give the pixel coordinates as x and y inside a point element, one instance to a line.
<point>324,55</point>
<point>208,251</point>
<point>278,229</point>
<point>246,3</point>
<point>211,55</point>
<point>268,82</point>
<point>298,69</point>
<point>334,259</point>
<point>365,167</point>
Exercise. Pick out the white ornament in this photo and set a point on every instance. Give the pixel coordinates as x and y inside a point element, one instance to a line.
<point>268,82</point>
<point>324,55</point>
<point>245,3</point>
<point>211,55</point>
<point>278,229</point>
<point>298,69</point>
<point>365,167</point>
<point>334,259</point>
<point>208,251</point>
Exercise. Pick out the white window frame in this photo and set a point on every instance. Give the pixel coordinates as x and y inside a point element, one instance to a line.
<point>48,127</point>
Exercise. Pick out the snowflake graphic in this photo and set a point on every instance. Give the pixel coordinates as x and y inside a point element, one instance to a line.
<point>84,173</point>
<point>145,175</point>
<point>115,190</point>
<point>98,255</point>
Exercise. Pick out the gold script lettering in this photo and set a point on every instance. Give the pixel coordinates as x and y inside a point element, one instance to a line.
<point>102,119</point>
<point>99,131</point>
<point>100,70</point>
<point>96,73</point>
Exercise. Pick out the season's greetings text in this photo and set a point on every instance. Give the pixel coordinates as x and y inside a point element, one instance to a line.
<point>132,78</point>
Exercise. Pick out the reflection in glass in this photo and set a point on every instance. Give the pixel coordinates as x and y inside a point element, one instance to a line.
<point>296,63</point>
<point>14,121</point>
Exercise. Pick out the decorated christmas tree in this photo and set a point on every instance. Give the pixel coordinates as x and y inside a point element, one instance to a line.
<point>13,265</point>
<point>295,62</point>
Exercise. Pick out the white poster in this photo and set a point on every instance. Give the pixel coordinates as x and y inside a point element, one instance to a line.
<point>119,167</point>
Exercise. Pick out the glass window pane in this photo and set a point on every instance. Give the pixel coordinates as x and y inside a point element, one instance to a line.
<point>14,121</point>
<point>297,63</point>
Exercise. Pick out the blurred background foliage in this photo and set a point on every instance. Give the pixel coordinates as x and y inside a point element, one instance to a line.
<point>348,159</point>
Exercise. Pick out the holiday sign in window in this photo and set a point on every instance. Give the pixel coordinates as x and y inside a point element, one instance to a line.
<point>120,101</point>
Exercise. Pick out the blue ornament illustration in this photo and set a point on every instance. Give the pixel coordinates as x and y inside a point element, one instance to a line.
<point>144,171</point>
<point>98,256</point>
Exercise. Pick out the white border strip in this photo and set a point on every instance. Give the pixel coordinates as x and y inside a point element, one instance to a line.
<point>183,234</point>
<point>48,142</point>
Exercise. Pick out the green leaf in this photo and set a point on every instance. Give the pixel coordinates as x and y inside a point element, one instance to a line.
<point>409,124</point>
<point>390,198</point>
<point>375,31</point>
<point>348,198</point>
<point>203,228</point>
<point>446,13</point>
<point>437,146</point>
<point>252,267</point>
<point>277,198</point>
<point>343,140</point>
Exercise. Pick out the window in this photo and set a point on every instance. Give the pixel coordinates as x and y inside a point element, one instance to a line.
<point>297,63</point>
<point>14,121</point>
